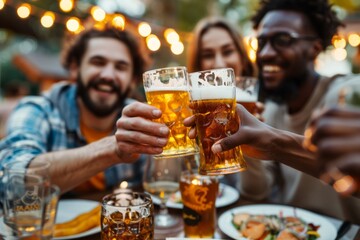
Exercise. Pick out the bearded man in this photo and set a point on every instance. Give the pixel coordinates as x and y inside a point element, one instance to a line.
<point>73,125</point>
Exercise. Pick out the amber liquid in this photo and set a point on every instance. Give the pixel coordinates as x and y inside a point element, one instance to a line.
<point>199,211</point>
<point>215,119</point>
<point>175,108</point>
<point>115,227</point>
<point>250,106</point>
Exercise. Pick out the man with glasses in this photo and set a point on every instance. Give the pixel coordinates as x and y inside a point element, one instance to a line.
<point>291,34</point>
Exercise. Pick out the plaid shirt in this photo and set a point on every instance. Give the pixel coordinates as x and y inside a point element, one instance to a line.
<point>48,123</point>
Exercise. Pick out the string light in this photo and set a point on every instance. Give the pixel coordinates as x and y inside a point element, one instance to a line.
<point>144,29</point>
<point>153,42</point>
<point>339,54</point>
<point>118,21</point>
<point>66,5</point>
<point>24,10</point>
<point>171,36</point>
<point>47,20</point>
<point>2,4</point>
<point>73,24</point>
<point>177,48</point>
<point>97,13</point>
<point>354,39</point>
<point>339,42</point>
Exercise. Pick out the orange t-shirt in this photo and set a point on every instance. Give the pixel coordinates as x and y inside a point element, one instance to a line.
<point>97,182</point>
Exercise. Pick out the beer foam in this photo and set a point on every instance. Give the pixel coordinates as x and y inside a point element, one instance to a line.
<point>159,89</point>
<point>245,96</point>
<point>212,92</point>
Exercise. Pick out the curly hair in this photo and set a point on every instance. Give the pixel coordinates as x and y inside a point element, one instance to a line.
<point>75,48</point>
<point>319,12</point>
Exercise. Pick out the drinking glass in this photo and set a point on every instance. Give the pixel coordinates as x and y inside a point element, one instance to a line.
<point>199,193</point>
<point>167,89</point>
<point>247,91</point>
<point>51,204</point>
<point>213,103</point>
<point>24,203</point>
<point>127,215</point>
<point>30,200</point>
<point>348,96</point>
<point>161,180</point>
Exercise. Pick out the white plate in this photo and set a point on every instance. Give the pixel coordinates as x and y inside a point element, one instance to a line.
<point>327,230</point>
<point>229,196</point>
<point>69,209</point>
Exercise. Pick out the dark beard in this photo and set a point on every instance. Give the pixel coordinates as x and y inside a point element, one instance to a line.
<point>97,109</point>
<point>287,91</point>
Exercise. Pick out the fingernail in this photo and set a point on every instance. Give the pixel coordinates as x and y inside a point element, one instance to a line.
<point>216,148</point>
<point>156,113</point>
<point>164,130</point>
<point>162,141</point>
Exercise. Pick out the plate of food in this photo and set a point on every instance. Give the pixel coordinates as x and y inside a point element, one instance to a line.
<point>227,195</point>
<point>268,221</point>
<point>77,218</point>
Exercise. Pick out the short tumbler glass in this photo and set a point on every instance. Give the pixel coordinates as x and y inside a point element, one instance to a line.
<point>127,215</point>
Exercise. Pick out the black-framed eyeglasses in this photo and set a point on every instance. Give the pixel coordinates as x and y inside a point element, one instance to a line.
<point>281,40</point>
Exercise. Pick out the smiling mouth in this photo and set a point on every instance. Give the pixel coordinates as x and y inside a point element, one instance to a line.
<point>271,68</point>
<point>104,88</point>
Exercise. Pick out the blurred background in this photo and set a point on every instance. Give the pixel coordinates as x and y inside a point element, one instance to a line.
<point>31,34</point>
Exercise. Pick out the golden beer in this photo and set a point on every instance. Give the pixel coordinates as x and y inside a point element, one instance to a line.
<point>250,106</point>
<point>167,89</point>
<point>127,216</point>
<point>213,96</point>
<point>216,119</point>
<point>199,194</point>
<point>174,105</point>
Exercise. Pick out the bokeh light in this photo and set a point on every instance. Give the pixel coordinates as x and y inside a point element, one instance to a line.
<point>153,42</point>
<point>66,5</point>
<point>144,29</point>
<point>2,4</point>
<point>24,10</point>
<point>171,36</point>
<point>339,54</point>
<point>97,13</point>
<point>73,24</point>
<point>354,39</point>
<point>177,48</point>
<point>47,20</point>
<point>118,21</point>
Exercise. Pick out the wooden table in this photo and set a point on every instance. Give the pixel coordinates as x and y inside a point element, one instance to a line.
<point>353,233</point>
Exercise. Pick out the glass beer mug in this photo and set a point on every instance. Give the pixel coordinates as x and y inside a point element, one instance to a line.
<point>213,101</point>
<point>167,89</point>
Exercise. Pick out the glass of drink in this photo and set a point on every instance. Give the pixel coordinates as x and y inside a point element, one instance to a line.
<point>26,187</point>
<point>24,203</point>
<point>348,96</point>
<point>161,179</point>
<point>198,193</point>
<point>247,91</point>
<point>127,215</point>
<point>167,89</point>
<point>213,103</point>
<point>51,203</point>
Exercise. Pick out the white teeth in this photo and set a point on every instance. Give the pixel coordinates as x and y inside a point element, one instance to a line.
<point>271,68</point>
<point>104,87</point>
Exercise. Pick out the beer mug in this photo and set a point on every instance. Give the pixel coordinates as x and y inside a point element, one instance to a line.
<point>213,103</point>
<point>167,89</point>
<point>247,91</point>
<point>127,215</point>
<point>198,193</point>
